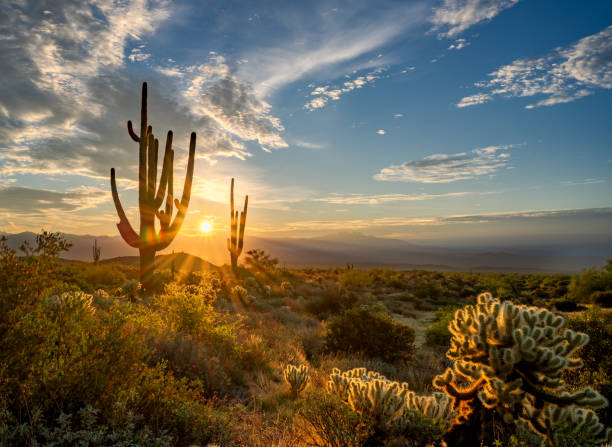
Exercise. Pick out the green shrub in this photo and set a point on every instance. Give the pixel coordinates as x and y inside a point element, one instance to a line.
<point>437,334</point>
<point>327,422</point>
<point>596,371</point>
<point>331,301</point>
<point>80,429</point>
<point>602,298</point>
<point>373,333</point>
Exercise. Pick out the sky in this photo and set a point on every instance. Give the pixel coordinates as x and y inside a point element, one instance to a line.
<point>437,120</point>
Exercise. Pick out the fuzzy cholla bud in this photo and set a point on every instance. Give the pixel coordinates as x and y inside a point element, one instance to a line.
<point>297,377</point>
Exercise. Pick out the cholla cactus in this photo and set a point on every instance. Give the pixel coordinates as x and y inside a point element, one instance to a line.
<point>287,288</point>
<point>387,402</point>
<point>297,377</point>
<point>240,293</point>
<point>512,359</point>
<point>71,301</point>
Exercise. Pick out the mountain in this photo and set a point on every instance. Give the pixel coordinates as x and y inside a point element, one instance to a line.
<point>338,249</point>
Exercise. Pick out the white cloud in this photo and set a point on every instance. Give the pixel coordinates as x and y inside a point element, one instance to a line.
<point>446,168</point>
<point>323,94</point>
<point>398,115</point>
<point>455,16</point>
<point>138,55</point>
<point>563,76</point>
<point>308,144</point>
<point>231,108</point>
<point>381,132</point>
<point>479,98</point>
<point>459,44</point>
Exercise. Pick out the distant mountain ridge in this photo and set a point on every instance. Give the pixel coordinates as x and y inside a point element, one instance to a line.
<point>338,249</point>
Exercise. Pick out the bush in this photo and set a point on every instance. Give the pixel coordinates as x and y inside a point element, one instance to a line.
<point>373,333</point>
<point>332,301</point>
<point>437,334</point>
<point>597,369</point>
<point>602,298</point>
<point>327,421</point>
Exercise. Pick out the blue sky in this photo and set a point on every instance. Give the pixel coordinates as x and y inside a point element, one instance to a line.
<point>421,120</point>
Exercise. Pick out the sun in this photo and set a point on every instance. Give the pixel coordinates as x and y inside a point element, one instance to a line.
<point>205,227</point>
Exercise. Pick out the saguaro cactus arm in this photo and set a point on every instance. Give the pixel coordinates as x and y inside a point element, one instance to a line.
<point>125,228</point>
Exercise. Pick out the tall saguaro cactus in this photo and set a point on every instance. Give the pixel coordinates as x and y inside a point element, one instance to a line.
<point>151,196</point>
<point>236,240</point>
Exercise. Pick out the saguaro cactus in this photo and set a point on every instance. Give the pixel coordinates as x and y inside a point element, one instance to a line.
<point>508,361</point>
<point>151,196</point>
<point>236,240</point>
<point>96,251</point>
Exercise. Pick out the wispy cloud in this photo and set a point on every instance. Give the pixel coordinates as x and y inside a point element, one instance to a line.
<point>586,181</point>
<point>325,93</point>
<point>563,76</point>
<point>455,16</point>
<point>308,144</point>
<point>329,43</point>
<point>381,132</point>
<point>231,108</point>
<point>376,199</point>
<point>446,168</point>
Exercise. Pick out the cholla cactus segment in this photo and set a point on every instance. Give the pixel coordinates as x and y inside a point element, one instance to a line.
<point>388,402</point>
<point>512,356</point>
<point>297,377</point>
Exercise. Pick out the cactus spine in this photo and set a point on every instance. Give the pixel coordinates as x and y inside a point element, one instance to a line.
<point>96,251</point>
<point>236,240</point>
<point>509,360</point>
<point>151,196</point>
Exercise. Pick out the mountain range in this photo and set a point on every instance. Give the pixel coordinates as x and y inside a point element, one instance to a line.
<point>361,250</point>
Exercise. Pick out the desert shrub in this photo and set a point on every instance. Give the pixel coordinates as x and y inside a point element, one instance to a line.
<point>356,278</point>
<point>597,367</point>
<point>65,355</point>
<point>260,260</point>
<point>326,421</point>
<point>82,428</point>
<point>176,407</point>
<point>332,301</point>
<point>565,305</point>
<point>583,285</point>
<point>437,334</point>
<point>602,298</point>
<point>26,279</point>
<point>373,333</point>
<point>98,276</point>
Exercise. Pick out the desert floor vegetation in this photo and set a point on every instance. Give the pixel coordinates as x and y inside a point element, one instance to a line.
<point>268,356</point>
